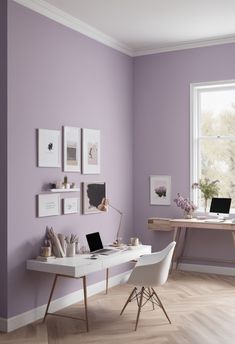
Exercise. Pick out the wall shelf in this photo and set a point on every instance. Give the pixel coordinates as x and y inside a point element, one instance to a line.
<point>65,190</point>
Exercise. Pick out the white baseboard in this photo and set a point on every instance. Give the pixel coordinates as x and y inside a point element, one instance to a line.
<point>210,269</point>
<point>8,325</point>
<point>3,325</point>
<point>11,324</point>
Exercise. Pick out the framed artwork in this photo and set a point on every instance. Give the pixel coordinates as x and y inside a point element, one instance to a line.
<point>93,193</point>
<point>49,148</point>
<point>70,205</point>
<point>48,205</point>
<point>90,151</point>
<point>72,149</point>
<point>160,190</point>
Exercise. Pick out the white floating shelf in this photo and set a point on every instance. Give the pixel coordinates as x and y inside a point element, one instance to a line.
<point>65,190</point>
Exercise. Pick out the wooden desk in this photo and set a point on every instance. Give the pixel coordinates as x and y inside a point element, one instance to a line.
<point>176,225</point>
<point>82,265</point>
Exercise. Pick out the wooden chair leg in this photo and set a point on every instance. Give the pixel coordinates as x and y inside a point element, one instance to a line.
<point>161,305</point>
<point>151,297</point>
<point>139,308</point>
<point>128,300</point>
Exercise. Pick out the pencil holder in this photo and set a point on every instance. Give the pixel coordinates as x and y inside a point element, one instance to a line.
<point>70,250</point>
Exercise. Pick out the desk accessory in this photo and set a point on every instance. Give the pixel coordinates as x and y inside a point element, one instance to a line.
<point>103,206</point>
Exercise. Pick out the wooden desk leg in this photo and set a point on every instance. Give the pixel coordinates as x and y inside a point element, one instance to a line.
<point>50,297</point>
<point>176,237</point>
<point>85,302</point>
<point>181,254</point>
<point>107,280</point>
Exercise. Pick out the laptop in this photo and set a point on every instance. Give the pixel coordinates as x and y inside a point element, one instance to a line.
<point>95,244</point>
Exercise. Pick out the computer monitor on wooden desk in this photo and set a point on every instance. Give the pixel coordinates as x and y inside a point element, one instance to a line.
<point>221,207</point>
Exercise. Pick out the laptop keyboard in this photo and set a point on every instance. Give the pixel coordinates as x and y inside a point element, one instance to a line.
<point>105,250</point>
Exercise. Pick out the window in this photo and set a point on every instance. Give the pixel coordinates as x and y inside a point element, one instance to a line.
<point>213,137</point>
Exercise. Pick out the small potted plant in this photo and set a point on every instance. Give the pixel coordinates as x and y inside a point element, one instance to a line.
<point>208,189</point>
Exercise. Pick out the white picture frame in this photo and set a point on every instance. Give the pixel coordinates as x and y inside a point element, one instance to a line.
<point>160,190</point>
<point>70,205</point>
<point>49,148</point>
<point>71,149</point>
<point>90,151</point>
<point>93,194</point>
<point>48,205</point>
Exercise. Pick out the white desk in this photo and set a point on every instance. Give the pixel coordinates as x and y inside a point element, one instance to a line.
<point>82,265</point>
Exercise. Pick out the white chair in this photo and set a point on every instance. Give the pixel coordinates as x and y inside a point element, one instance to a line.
<point>151,270</point>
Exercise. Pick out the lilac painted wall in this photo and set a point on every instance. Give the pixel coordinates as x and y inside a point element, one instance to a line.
<point>162,141</point>
<point>3,171</point>
<point>59,77</point>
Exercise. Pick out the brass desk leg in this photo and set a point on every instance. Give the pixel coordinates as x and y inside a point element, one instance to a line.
<point>85,302</point>
<point>107,280</point>
<point>50,297</point>
<point>233,234</point>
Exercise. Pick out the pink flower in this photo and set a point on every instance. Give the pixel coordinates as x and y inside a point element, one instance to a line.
<point>185,204</point>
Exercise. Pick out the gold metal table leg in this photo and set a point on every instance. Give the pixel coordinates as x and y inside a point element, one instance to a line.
<point>85,302</point>
<point>107,280</point>
<point>50,297</point>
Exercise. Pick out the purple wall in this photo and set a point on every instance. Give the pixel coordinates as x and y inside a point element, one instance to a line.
<point>3,145</point>
<point>60,77</point>
<point>162,136</point>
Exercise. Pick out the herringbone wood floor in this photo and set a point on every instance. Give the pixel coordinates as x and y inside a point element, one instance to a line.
<point>201,308</point>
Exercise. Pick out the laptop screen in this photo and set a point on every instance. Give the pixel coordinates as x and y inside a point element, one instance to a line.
<point>94,241</point>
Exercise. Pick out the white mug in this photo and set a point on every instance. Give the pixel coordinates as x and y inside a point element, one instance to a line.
<point>134,241</point>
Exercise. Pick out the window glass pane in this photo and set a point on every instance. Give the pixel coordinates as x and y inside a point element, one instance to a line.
<point>218,162</point>
<point>217,112</point>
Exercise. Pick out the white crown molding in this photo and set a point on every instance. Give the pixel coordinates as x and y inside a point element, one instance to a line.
<point>54,13</point>
<point>13,323</point>
<point>186,45</point>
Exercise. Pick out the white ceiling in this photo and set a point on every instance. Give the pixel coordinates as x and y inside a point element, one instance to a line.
<point>140,27</point>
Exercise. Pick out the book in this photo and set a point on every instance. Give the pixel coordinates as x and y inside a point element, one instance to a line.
<point>45,259</point>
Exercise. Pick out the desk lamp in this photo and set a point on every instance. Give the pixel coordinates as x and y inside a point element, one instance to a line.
<point>103,206</point>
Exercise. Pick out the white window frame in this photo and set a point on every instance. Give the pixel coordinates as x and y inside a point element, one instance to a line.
<point>195,90</point>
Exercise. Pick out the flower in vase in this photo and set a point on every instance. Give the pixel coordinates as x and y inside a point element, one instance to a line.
<point>208,188</point>
<point>185,204</point>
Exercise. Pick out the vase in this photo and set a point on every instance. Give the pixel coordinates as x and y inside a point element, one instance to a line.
<point>188,215</point>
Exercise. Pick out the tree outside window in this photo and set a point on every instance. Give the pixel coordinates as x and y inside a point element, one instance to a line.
<point>213,137</point>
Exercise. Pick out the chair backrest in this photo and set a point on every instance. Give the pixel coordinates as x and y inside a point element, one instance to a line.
<point>153,269</point>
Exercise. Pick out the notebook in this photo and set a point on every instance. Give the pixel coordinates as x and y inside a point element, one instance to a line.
<point>95,244</point>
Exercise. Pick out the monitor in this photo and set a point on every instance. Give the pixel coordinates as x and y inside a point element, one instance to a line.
<point>220,206</point>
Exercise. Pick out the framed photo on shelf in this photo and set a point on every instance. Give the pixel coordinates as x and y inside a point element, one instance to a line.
<point>160,190</point>
<point>90,151</point>
<point>48,205</point>
<point>71,149</point>
<point>93,193</point>
<point>70,205</point>
<point>49,148</point>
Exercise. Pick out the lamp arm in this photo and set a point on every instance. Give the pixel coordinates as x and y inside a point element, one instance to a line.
<point>119,211</point>
<point>119,227</point>
<point>120,221</point>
